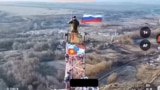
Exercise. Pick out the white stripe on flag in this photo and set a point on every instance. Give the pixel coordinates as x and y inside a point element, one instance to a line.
<point>92,15</point>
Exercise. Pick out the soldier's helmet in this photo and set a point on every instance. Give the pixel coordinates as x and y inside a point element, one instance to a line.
<point>74,17</point>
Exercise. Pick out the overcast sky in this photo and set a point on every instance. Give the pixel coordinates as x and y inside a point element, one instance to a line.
<point>138,1</point>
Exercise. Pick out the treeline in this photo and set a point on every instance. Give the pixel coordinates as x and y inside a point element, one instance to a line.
<point>22,63</point>
<point>27,73</point>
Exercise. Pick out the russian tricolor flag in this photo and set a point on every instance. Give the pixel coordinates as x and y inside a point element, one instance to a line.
<point>91,19</point>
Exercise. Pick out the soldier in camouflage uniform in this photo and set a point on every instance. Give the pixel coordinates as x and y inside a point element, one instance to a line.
<point>74,24</point>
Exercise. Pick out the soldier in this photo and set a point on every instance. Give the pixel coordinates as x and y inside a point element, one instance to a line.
<point>74,24</point>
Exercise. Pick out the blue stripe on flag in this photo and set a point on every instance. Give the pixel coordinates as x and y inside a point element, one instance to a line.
<point>91,18</point>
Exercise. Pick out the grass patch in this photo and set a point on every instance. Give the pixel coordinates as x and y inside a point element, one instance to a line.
<point>92,70</point>
<point>112,78</point>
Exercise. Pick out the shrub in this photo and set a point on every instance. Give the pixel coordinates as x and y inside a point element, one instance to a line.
<point>58,55</point>
<point>24,73</point>
<point>22,46</point>
<point>60,75</point>
<point>92,70</point>
<point>129,41</point>
<point>145,73</point>
<point>125,40</point>
<point>44,55</point>
<point>40,46</point>
<point>93,58</point>
<point>112,78</point>
<point>21,71</point>
<point>52,44</point>
<point>6,44</point>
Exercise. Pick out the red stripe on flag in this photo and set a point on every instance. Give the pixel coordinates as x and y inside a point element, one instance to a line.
<point>90,21</point>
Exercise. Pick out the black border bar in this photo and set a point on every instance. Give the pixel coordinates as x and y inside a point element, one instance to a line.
<point>84,83</point>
